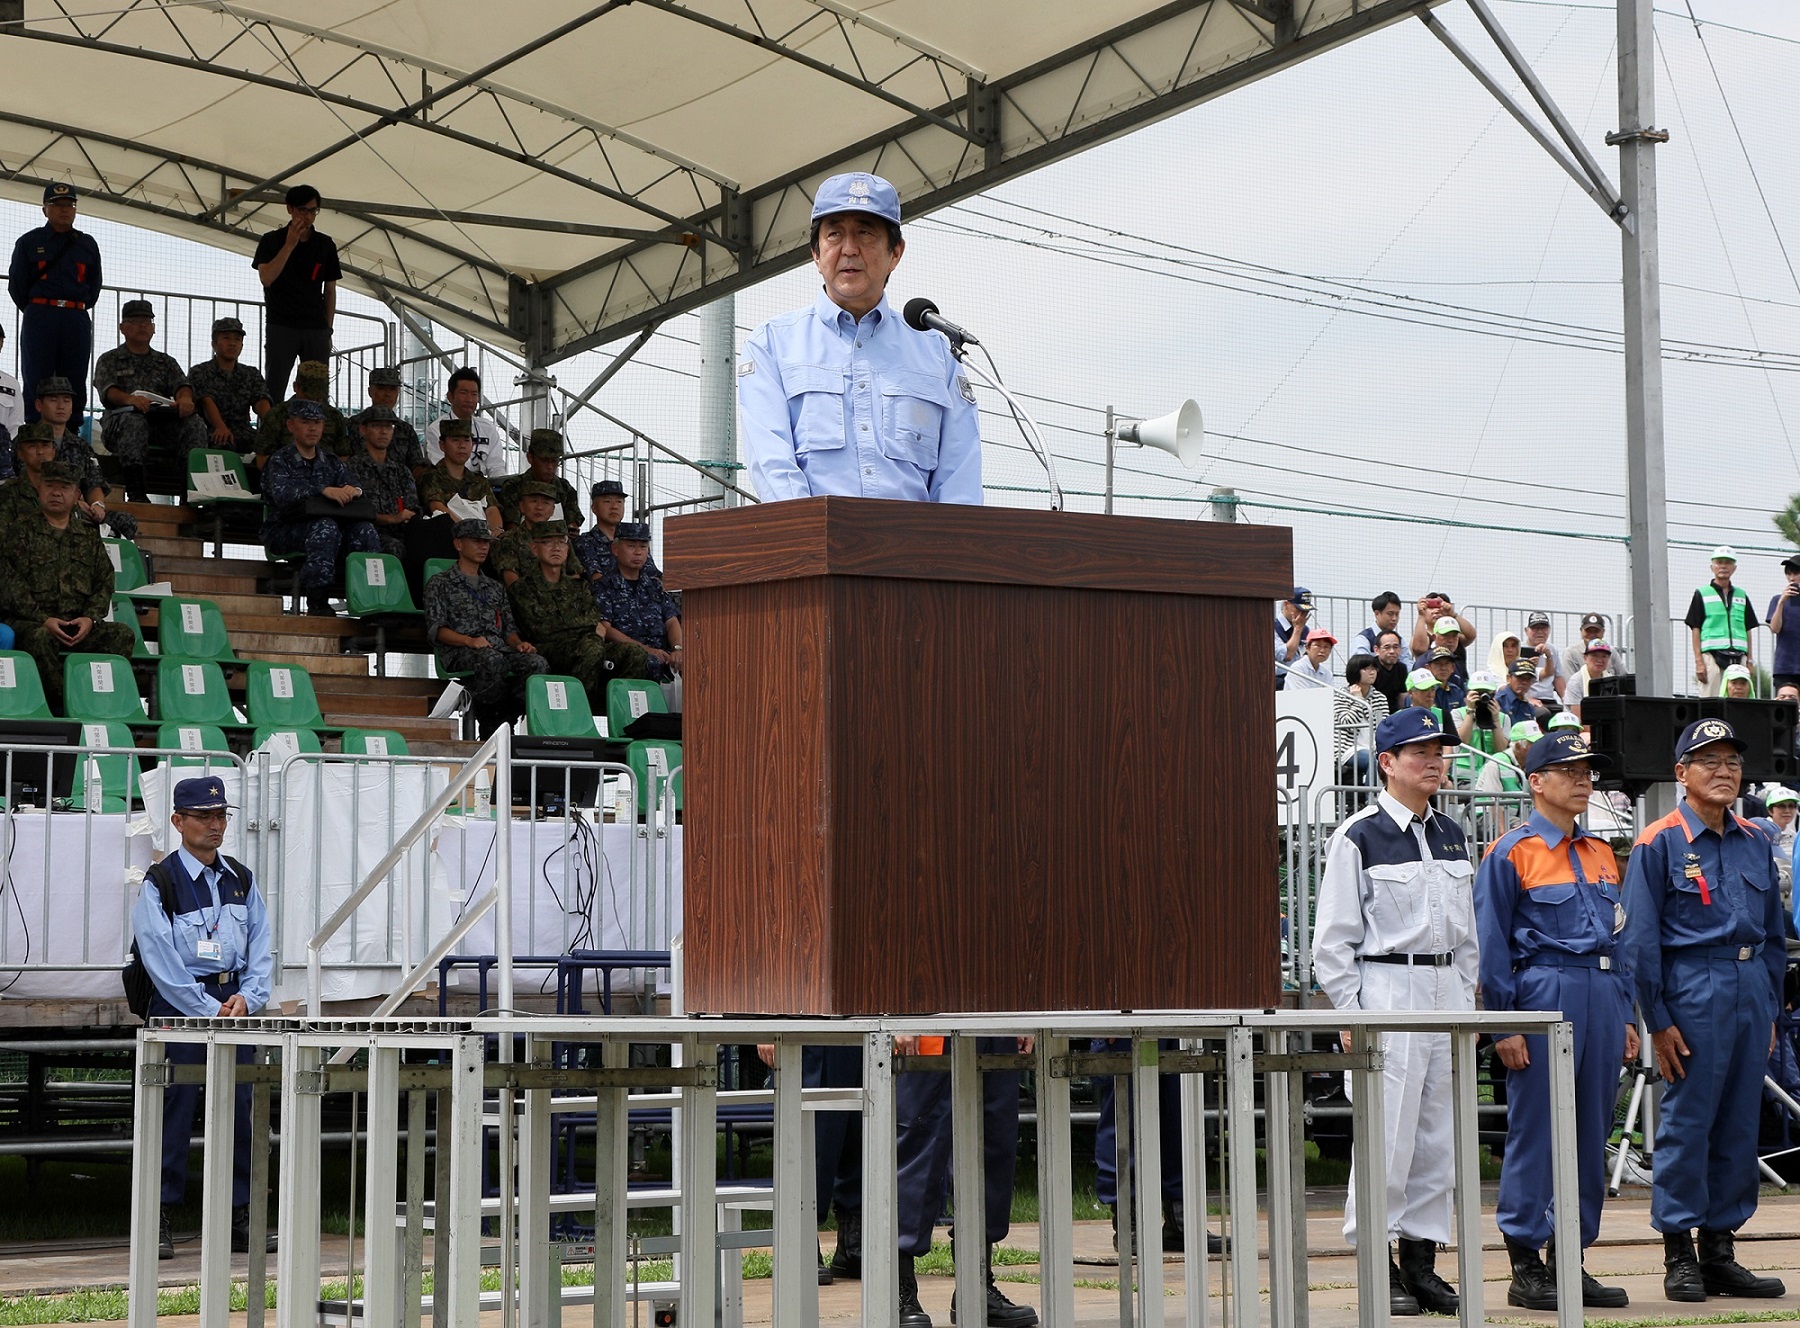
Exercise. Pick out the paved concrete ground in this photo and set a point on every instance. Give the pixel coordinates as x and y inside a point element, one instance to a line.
<point>1629,1254</point>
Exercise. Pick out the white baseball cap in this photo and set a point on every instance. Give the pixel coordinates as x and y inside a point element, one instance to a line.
<point>1724,554</point>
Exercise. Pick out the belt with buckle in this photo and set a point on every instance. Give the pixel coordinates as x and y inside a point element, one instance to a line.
<point>58,304</point>
<point>1741,953</point>
<point>1412,960</point>
<point>219,979</point>
<point>1557,959</point>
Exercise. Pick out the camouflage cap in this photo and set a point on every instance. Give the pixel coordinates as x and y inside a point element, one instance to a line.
<point>450,427</point>
<point>36,432</point>
<point>224,325</point>
<point>387,377</point>
<point>313,371</point>
<point>632,530</point>
<point>545,443</point>
<point>472,528</point>
<point>378,415</point>
<point>58,472</point>
<point>55,386</point>
<point>136,309</point>
<point>539,489</point>
<point>302,409</point>
<point>556,528</point>
<point>607,489</point>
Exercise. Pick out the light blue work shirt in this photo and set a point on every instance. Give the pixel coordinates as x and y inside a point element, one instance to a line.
<point>211,906</point>
<point>831,404</point>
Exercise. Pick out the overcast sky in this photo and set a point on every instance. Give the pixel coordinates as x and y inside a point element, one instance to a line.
<point>1386,299</point>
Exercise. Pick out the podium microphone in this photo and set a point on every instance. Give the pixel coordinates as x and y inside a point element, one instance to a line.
<point>922,316</point>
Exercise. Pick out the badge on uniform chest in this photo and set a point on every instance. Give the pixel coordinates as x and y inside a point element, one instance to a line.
<point>1693,873</point>
<point>208,950</point>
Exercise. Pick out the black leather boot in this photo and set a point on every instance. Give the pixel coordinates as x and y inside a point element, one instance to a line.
<point>1681,1271</point>
<point>999,1311</point>
<point>1418,1273</point>
<point>1401,1304</point>
<point>1722,1275</point>
<point>846,1259</point>
<point>912,1314</point>
<point>1175,1231</point>
<point>165,1247</point>
<point>825,1278</point>
<point>1593,1295</point>
<point>240,1233</point>
<point>1532,1286</point>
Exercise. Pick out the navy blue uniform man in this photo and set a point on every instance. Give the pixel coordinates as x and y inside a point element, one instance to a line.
<point>1704,943</point>
<point>54,280</point>
<point>296,475</point>
<point>1548,913</point>
<point>843,397</point>
<point>202,931</point>
<point>1106,1149</point>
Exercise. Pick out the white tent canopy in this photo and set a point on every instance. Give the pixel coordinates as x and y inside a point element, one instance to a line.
<point>557,175</point>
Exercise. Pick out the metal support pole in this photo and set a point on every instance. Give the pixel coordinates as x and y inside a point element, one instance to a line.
<point>297,1262</point>
<point>718,392</point>
<point>1565,1174</point>
<point>540,1295</point>
<point>796,1292</point>
<point>968,1181</point>
<point>1111,443</point>
<point>1147,1110</point>
<point>382,1273</point>
<point>1278,1110</point>
<point>1466,1130</point>
<point>881,1241</point>
<point>257,1272</point>
<point>612,1161</point>
<point>1240,1096</point>
<point>699,1266</point>
<point>1056,1240</point>
<point>146,1179</point>
<point>1368,1162</point>
<point>1193,1191</point>
<point>413,1274</point>
<point>220,1117</point>
<point>1646,483</point>
<point>458,1285</point>
<point>1125,1222</point>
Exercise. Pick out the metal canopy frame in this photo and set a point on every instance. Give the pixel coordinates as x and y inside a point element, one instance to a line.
<point>559,229</point>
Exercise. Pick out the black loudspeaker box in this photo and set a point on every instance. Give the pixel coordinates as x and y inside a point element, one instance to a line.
<point>1639,733</point>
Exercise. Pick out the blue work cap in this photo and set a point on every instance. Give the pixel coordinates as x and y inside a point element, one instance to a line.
<point>1405,727</point>
<point>200,795</point>
<point>1704,731</point>
<point>857,192</point>
<point>302,409</point>
<point>1562,748</point>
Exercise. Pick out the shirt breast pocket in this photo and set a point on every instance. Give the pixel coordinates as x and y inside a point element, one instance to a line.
<point>1691,912</point>
<point>1396,899</point>
<point>815,407</point>
<point>912,417</point>
<point>1555,910</point>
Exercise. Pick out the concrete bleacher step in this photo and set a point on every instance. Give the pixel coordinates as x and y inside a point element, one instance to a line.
<point>364,703</point>
<point>168,546</point>
<point>171,566</point>
<point>231,604</point>
<point>153,518</point>
<point>414,728</point>
<point>206,585</point>
<point>321,667</point>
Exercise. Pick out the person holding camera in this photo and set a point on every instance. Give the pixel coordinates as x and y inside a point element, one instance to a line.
<point>1481,725</point>
<point>1430,630</point>
<point>1785,627</point>
<point>1291,626</point>
<point>1720,619</point>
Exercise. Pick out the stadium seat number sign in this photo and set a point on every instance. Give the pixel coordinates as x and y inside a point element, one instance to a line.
<point>193,680</point>
<point>1303,745</point>
<point>281,683</point>
<point>190,739</point>
<point>557,694</point>
<point>94,735</point>
<point>375,745</point>
<point>639,702</point>
<point>100,676</point>
<point>9,674</point>
<point>190,619</point>
<point>377,572</point>
<point>112,554</point>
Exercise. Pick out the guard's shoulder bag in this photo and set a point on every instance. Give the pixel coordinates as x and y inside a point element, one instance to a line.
<point>138,986</point>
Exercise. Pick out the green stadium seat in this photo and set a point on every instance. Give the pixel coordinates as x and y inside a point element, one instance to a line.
<point>626,699</point>
<point>101,687</point>
<point>192,691</point>
<point>373,742</point>
<point>375,593</point>
<point>21,689</point>
<point>218,488</point>
<point>192,738</point>
<point>117,774</point>
<point>651,760</point>
<point>281,696</point>
<point>556,706</point>
<point>129,571</point>
<point>193,629</point>
<point>281,741</point>
<point>124,610</point>
<point>435,565</point>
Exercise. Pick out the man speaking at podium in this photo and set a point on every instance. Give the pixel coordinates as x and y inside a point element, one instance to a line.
<point>843,397</point>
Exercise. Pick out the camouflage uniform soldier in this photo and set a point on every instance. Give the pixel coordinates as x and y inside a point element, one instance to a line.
<point>511,556</point>
<point>60,587</point>
<point>558,614</point>
<point>55,407</point>
<point>469,619</point>
<point>311,383</point>
<point>453,479</point>
<point>298,472</point>
<point>233,395</point>
<point>384,392</point>
<point>543,454</point>
<point>19,495</point>
<point>121,376</point>
<point>636,607</point>
<point>384,480</point>
<point>607,499</point>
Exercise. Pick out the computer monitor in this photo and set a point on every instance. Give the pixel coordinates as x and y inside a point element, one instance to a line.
<point>36,779</point>
<point>556,789</point>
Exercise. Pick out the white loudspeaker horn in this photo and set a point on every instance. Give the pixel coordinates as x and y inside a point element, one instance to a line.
<point>1178,433</point>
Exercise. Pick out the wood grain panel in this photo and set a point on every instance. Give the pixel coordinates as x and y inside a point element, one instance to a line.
<point>991,545</point>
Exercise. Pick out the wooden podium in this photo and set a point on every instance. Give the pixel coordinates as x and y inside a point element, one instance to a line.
<point>954,759</point>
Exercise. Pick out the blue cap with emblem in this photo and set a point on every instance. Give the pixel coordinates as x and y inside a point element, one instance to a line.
<point>58,192</point>
<point>1405,727</point>
<point>201,795</point>
<point>1704,731</point>
<point>302,409</point>
<point>1561,748</point>
<point>857,192</point>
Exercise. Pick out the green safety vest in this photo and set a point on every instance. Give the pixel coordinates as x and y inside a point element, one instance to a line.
<point>1724,628</point>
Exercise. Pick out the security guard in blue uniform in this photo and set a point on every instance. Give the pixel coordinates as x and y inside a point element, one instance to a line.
<point>54,279</point>
<point>1548,915</point>
<point>843,397</point>
<point>202,930</point>
<point>1704,943</point>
